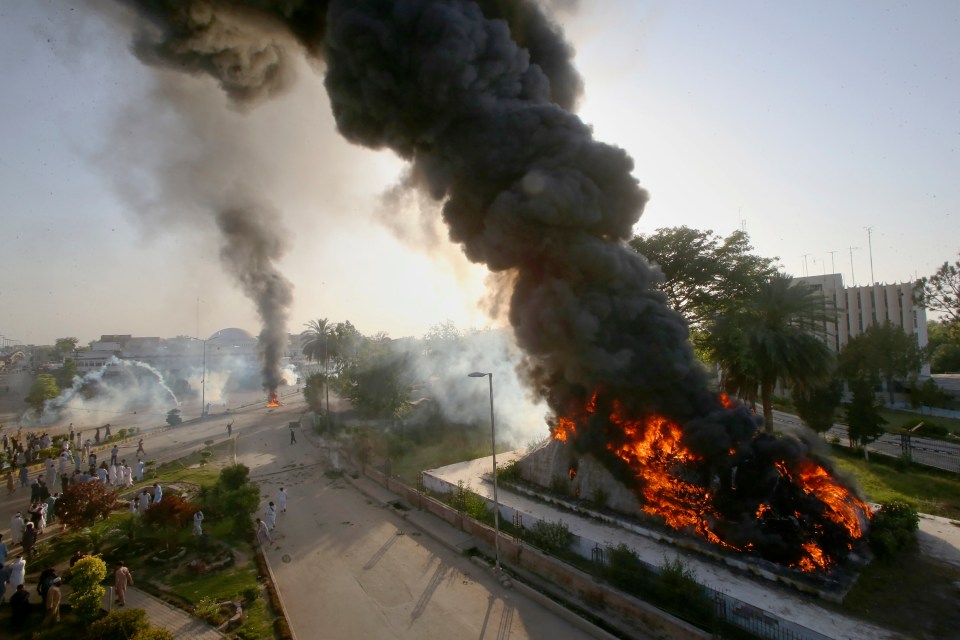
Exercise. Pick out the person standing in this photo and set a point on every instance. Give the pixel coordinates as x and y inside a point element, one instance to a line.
<point>271,516</point>
<point>140,448</point>
<point>157,493</point>
<point>53,602</point>
<point>140,467</point>
<point>293,436</point>
<point>29,539</point>
<point>113,454</point>
<point>282,500</point>
<point>198,523</point>
<point>19,606</point>
<point>10,484</point>
<point>263,533</point>
<point>122,578</point>
<point>18,571</point>
<point>24,475</point>
<point>16,528</point>
<point>3,552</point>
<point>230,429</point>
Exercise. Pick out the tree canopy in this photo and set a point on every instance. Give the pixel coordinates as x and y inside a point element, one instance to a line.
<point>315,340</point>
<point>941,292</point>
<point>704,274</point>
<point>943,347</point>
<point>769,338</point>
<point>44,388</point>
<point>63,346</point>
<point>882,353</point>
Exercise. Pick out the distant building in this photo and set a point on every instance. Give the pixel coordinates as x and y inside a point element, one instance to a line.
<point>859,308</point>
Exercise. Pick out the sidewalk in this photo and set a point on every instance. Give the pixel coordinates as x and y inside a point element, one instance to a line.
<point>161,614</point>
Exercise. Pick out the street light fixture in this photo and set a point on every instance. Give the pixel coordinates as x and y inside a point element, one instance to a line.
<point>493,442</point>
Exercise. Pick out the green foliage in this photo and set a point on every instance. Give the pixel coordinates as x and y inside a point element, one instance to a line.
<point>551,537</point>
<point>943,346</point>
<point>44,388</point>
<point>678,583</point>
<point>924,427</point>
<point>378,381</point>
<point>314,392</point>
<point>769,338</point>
<point>66,373</point>
<point>863,416</point>
<point>207,609</point>
<point>928,394</point>
<point>626,571</point>
<point>893,528</point>
<point>704,275</point>
<point>83,503</point>
<point>315,341</point>
<point>232,497</point>
<point>85,578</point>
<point>817,406</point>
<point>509,473</point>
<point>881,353</point>
<point>941,292</point>
<point>120,624</point>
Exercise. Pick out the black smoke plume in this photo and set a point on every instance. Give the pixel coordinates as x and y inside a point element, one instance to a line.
<point>251,246</point>
<point>477,96</point>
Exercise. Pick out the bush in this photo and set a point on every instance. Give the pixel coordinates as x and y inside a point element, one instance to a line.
<point>677,588</point>
<point>83,503</point>
<point>928,429</point>
<point>626,571</point>
<point>551,537</point>
<point>153,633</point>
<point>85,578</point>
<point>207,609</point>
<point>894,528</point>
<point>119,624</point>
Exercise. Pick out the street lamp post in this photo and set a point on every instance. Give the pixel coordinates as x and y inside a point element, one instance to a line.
<point>203,383</point>
<point>493,442</point>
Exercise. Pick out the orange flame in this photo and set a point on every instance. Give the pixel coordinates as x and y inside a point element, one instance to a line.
<point>273,400</point>
<point>664,468</point>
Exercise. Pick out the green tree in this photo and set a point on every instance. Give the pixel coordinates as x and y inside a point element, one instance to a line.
<point>771,338</point>
<point>863,415</point>
<point>233,496</point>
<point>63,346</point>
<point>943,347</point>
<point>44,388</point>
<point>882,353</point>
<point>313,391</point>
<point>377,382</point>
<point>346,346</point>
<point>315,340</point>
<point>817,406</point>
<point>941,292</point>
<point>66,373</point>
<point>927,394</point>
<point>87,594</point>
<point>704,274</point>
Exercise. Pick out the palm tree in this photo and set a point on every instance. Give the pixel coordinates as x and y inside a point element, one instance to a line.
<point>314,339</point>
<point>773,337</point>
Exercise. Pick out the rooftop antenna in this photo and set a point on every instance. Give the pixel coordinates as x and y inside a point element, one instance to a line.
<point>833,265</point>
<point>853,278</point>
<point>804,256</point>
<point>870,245</point>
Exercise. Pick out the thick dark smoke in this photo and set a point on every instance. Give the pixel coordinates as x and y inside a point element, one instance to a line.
<point>477,96</point>
<point>251,246</point>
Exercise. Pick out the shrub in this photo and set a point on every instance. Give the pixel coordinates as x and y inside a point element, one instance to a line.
<point>119,624</point>
<point>233,496</point>
<point>171,514</point>
<point>551,537</point>
<point>83,503</point>
<point>85,578</point>
<point>207,609</point>
<point>626,571</point>
<point>894,528</point>
<point>677,588</point>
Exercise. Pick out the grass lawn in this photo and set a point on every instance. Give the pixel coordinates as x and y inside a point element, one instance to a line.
<point>934,492</point>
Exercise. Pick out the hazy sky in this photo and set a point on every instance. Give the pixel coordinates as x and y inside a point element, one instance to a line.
<point>805,122</point>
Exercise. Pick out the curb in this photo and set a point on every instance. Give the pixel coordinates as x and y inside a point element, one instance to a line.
<point>276,590</point>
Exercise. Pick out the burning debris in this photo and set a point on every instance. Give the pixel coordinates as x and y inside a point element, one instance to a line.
<point>478,97</point>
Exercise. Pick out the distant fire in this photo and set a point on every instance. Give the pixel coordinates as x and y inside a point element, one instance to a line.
<point>793,513</point>
<point>274,400</point>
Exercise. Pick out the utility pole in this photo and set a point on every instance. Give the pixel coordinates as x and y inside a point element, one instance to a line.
<point>870,245</point>
<point>853,278</point>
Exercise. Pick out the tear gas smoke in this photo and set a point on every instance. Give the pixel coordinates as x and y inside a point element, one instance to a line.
<point>477,97</point>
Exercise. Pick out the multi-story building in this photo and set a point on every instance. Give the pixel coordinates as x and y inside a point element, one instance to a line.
<point>859,308</point>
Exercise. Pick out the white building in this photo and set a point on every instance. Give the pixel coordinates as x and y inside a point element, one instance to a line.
<point>859,308</point>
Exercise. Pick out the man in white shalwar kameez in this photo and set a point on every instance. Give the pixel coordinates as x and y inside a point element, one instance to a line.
<point>271,516</point>
<point>16,528</point>
<point>198,523</point>
<point>282,500</point>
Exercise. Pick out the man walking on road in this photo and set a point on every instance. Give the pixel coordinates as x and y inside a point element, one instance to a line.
<point>263,534</point>
<point>282,500</point>
<point>271,516</point>
<point>293,436</point>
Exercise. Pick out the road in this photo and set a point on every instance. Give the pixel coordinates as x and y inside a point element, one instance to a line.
<point>927,451</point>
<point>346,567</point>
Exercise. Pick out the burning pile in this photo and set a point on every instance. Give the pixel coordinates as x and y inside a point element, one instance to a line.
<point>478,96</point>
<point>764,495</point>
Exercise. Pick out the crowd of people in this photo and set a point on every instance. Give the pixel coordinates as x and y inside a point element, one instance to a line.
<point>68,460</point>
